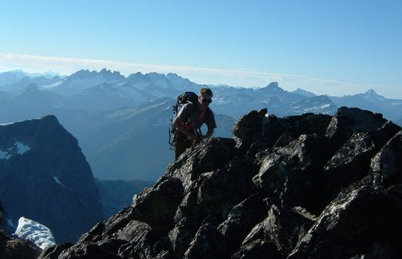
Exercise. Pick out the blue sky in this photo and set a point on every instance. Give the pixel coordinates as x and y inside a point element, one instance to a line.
<point>328,47</point>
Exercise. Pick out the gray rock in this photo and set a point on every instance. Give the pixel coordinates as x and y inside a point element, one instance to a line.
<point>20,249</point>
<point>309,186</point>
<point>357,219</point>
<point>86,250</point>
<point>53,252</point>
<point>388,163</point>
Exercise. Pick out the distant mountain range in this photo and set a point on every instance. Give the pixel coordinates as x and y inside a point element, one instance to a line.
<point>122,123</point>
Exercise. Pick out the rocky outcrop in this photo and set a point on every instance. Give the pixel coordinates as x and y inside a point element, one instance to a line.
<point>309,186</point>
<point>45,177</point>
<point>17,249</point>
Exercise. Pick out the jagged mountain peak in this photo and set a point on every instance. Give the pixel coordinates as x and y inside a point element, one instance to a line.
<point>138,77</point>
<point>50,180</point>
<point>83,73</point>
<point>304,92</point>
<point>174,75</point>
<point>153,76</point>
<point>371,94</point>
<point>11,77</point>
<point>112,75</point>
<point>273,85</point>
<point>271,88</point>
<point>107,74</point>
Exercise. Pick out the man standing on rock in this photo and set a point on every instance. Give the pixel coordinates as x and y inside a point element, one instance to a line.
<point>189,120</point>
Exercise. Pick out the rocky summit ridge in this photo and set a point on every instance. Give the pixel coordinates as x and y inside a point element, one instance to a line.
<point>308,186</point>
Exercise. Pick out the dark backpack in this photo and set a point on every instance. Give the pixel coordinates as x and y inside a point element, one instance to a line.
<point>182,99</point>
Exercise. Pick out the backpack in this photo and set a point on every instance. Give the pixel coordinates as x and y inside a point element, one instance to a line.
<point>182,99</point>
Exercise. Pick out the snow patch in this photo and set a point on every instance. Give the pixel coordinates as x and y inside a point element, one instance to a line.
<point>21,148</point>
<point>4,154</point>
<point>58,181</point>
<point>35,232</point>
<point>7,123</point>
<point>45,87</point>
<point>317,108</point>
<point>17,148</point>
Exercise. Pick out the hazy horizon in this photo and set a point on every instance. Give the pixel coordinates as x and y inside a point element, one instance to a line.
<point>335,48</point>
<point>52,73</point>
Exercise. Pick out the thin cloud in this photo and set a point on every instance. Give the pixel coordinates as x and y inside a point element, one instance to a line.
<point>232,77</point>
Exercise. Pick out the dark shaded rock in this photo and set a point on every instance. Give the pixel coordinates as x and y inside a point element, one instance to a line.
<point>281,229</point>
<point>350,163</point>
<point>53,252</point>
<point>258,249</point>
<point>48,178</point>
<point>309,186</point>
<point>242,218</point>
<point>20,249</point>
<point>357,219</point>
<point>387,163</point>
<point>3,241</point>
<point>250,125</point>
<point>158,207</point>
<point>16,248</point>
<point>349,120</point>
<point>113,245</point>
<point>207,243</point>
<point>284,228</point>
<point>281,131</point>
<point>4,225</point>
<point>384,134</point>
<point>209,155</point>
<point>295,169</point>
<point>381,250</point>
<point>86,250</point>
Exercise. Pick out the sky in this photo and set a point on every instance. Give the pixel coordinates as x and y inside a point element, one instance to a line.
<point>327,47</point>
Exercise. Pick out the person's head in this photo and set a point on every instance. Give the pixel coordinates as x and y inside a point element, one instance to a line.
<point>205,97</point>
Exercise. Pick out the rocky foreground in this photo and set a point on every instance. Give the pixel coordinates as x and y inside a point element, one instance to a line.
<point>304,186</point>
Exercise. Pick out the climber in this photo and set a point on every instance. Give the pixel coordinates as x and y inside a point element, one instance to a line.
<point>189,119</point>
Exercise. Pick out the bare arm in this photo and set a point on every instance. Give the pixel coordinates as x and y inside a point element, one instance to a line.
<point>210,132</point>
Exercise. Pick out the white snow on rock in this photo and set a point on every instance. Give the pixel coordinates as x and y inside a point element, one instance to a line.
<point>35,232</point>
<point>21,148</point>
<point>4,154</point>
<point>54,85</point>
<point>17,148</point>
<point>58,181</point>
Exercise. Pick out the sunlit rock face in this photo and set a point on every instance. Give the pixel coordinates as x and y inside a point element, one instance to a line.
<point>308,186</point>
<point>45,177</point>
